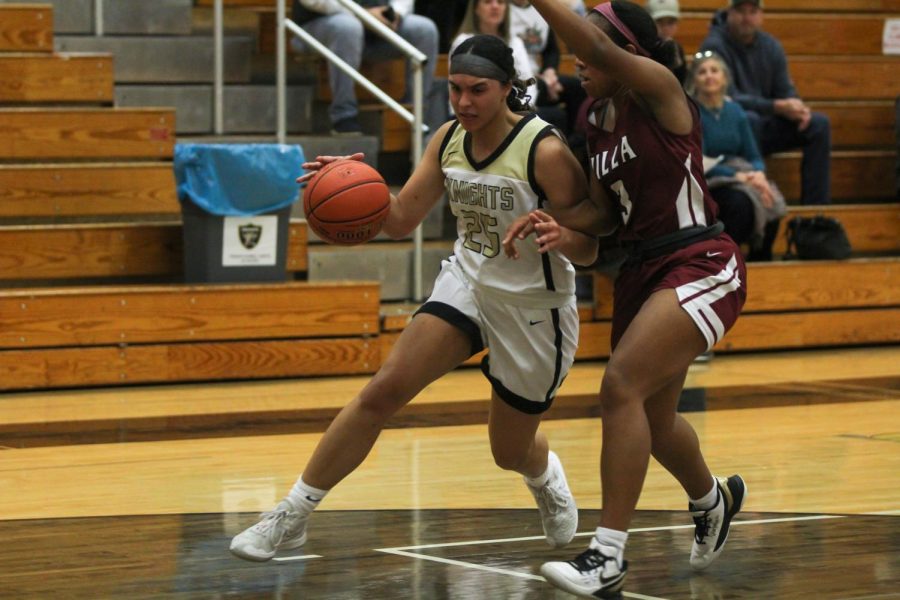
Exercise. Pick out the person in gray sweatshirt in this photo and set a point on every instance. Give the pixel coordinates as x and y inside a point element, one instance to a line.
<point>763,87</point>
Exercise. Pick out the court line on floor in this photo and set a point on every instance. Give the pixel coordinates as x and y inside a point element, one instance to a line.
<point>633,530</point>
<point>468,565</point>
<point>405,550</point>
<point>290,558</point>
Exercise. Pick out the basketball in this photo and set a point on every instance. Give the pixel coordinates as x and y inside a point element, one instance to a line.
<point>346,202</point>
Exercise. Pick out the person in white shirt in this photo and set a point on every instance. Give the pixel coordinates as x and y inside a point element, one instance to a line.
<point>559,96</point>
<point>492,17</point>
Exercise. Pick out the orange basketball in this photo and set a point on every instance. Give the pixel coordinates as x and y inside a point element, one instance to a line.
<point>346,202</point>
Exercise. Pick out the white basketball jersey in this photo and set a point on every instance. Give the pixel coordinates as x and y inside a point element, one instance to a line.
<point>486,197</point>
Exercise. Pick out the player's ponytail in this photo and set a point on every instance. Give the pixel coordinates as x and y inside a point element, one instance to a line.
<point>501,67</point>
<point>665,53</point>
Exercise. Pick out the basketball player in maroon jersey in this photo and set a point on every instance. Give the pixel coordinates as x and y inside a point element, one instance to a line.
<point>680,290</point>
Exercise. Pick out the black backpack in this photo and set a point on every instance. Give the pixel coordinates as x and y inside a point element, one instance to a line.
<point>816,238</point>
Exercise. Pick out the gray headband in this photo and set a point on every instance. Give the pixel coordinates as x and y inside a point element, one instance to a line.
<point>476,66</point>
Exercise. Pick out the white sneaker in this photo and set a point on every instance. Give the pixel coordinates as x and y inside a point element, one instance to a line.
<point>711,526</point>
<point>280,529</point>
<point>559,515</point>
<point>597,572</point>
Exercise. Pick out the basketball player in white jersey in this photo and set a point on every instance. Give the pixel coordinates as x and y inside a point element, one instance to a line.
<point>496,165</point>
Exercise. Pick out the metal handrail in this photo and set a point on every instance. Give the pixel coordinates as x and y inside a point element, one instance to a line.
<point>98,18</point>
<point>219,67</point>
<point>416,57</point>
<point>343,66</point>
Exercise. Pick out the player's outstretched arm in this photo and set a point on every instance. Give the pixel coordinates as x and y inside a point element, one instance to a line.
<point>649,79</point>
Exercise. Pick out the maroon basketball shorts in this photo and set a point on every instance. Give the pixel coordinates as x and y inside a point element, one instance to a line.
<point>710,278</point>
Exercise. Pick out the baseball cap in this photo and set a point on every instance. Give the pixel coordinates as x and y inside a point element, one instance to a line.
<point>659,9</point>
<point>736,3</point>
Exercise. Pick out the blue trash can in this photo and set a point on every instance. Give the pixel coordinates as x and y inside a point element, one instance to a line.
<point>236,208</point>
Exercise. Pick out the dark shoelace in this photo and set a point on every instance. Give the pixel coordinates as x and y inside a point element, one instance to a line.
<point>702,528</point>
<point>589,560</point>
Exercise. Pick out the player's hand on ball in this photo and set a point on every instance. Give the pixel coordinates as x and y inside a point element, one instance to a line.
<point>321,161</point>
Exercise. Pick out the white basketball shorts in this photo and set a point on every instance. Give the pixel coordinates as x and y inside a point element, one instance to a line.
<point>531,349</point>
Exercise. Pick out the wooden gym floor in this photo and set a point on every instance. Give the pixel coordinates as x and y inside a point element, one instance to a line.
<point>428,516</point>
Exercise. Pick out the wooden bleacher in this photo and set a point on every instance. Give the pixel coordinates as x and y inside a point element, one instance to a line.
<point>87,204</point>
<point>38,252</point>
<point>790,305</point>
<point>27,28</point>
<point>828,34</point>
<point>44,77</point>
<point>94,189</point>
<point>107,335</point>
<point>64,133</point>
<point>873,229</point>
<point>91,240</point>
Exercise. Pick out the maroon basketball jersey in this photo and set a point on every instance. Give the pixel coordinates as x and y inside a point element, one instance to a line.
<point>656,176</point>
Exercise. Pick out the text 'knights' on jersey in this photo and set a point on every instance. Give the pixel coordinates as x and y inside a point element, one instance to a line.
<point>493,197</point>
<point>486,197</point>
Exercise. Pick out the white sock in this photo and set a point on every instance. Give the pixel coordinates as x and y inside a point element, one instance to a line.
<point>540,480</point>
<point>305,498</point>
<point>709,500</point>
<point>612,538</point>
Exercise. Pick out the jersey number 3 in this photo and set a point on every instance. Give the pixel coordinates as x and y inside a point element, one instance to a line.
<point>480,224</point>
<point>624,200</point>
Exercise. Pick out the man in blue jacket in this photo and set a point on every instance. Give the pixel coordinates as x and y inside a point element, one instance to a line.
<point>762,85</point>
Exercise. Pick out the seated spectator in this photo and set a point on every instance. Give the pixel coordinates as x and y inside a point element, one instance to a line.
<point>750,206</point>
<point>344,34</point>
<point>666,13</point>
<point>447,15</point>
<point>559,96</point>
<point>492,17</point>
<point>762,85</point>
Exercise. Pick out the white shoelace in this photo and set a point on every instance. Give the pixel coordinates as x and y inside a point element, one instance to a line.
<point>269,526</point>
<point>552,499</point>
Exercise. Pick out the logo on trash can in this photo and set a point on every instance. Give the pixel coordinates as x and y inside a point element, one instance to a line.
<point>250,235</point>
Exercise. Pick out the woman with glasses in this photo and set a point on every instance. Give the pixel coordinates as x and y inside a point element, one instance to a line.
<point>681,288</point>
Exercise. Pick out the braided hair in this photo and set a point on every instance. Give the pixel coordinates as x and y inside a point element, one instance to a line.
<point>495,50</point>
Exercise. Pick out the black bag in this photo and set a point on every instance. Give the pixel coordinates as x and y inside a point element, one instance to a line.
<point>816,238</point>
